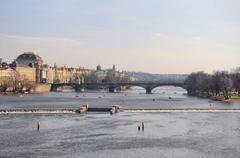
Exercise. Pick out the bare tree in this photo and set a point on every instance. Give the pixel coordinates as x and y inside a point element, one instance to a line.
<point>205,85</point>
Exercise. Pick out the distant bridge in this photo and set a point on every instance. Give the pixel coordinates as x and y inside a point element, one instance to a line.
<point>148,86</point>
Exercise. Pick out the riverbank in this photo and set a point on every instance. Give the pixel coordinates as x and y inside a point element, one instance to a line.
<point>40,88</point>
<point>231,101</point>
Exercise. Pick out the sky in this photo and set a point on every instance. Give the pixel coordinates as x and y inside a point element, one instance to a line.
<point>156,36</point>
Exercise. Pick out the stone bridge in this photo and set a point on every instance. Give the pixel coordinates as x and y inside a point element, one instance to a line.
<point>148,86</point>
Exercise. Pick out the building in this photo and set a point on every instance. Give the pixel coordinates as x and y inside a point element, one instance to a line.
<point>29,59</point>
<point>26,74</point>
<point>67,75</point>
<point>44,73</point>
<point>110,75</point>
<point>29,63</point>
<point>101,75</point>
<point>7,75</point>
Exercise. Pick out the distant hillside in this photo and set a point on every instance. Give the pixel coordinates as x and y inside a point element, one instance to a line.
<point>143,76</point>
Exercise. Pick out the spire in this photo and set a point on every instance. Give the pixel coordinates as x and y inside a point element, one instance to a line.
<point>114,67</point>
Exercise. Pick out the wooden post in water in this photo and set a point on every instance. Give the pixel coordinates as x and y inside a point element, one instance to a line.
<point>139,127</point>
<point>142,126</point>
<point>38,125</point>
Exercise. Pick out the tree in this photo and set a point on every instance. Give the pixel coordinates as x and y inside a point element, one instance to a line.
<point>235,77</point>
<point>198,84</point>
<point>205,85</point>
<point>222,83</point>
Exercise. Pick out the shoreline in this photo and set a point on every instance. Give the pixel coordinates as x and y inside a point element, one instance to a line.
<point>232,100</point>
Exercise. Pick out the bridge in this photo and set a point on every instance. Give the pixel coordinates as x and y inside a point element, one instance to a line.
<point>148,86</point>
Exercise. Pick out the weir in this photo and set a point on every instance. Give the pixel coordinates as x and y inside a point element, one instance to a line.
<point>52,111</point>
<point>190,110</point>
<point>110,109</point>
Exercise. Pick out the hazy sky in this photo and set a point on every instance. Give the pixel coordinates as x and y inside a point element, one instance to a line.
<point>159,36</point>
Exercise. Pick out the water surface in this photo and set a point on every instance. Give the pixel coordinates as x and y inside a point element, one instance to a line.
<point>210,135</point>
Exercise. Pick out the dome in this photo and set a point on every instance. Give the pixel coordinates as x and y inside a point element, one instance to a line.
<point>29,59</point>
<point>99,68</point>
<point>29,56</point>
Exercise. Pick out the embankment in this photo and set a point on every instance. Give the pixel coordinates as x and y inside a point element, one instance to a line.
<point>42,88</point>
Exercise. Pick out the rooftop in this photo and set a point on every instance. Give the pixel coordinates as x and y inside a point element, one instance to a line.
<point>29,56</point>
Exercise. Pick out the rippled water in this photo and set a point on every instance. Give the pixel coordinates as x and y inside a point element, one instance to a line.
<point>102,135</point>
<point>134,98</point>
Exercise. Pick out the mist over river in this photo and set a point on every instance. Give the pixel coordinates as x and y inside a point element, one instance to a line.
<point>103,135</point>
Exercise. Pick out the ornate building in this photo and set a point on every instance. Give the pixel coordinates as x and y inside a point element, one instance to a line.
<point>110,75</point>
<point>30,60</point>
<point>67,75</point>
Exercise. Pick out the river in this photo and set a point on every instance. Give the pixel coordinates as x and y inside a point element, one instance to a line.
<point>102,135</point>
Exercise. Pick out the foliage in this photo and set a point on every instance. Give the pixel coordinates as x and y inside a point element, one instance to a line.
<point>220,83</point>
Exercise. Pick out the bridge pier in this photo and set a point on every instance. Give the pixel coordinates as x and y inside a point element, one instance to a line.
<point>111,89</point>
<point>79,88</point>
<point>148,90</point>
<point>53,88</point>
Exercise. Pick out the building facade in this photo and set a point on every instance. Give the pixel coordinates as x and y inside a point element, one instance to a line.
<point>110,75</point>
<point>29,67</point>
<point>30,64</point>
<point>67,75</point>
<point>7,75</point>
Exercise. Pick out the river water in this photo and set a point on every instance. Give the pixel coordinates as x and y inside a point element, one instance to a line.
<point>103,135</point>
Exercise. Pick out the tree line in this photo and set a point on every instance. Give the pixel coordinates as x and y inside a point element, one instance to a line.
<point>220,84</point>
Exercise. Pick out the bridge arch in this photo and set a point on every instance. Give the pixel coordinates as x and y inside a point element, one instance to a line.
<point>75,86</point>
<point>132,88</point>
<point>163,88</point>
<point>148,89</point>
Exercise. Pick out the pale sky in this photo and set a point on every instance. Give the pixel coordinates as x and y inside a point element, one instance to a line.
<point>158,36</point>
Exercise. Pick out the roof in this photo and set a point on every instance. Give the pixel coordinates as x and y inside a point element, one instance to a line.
<point>29,56</point>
